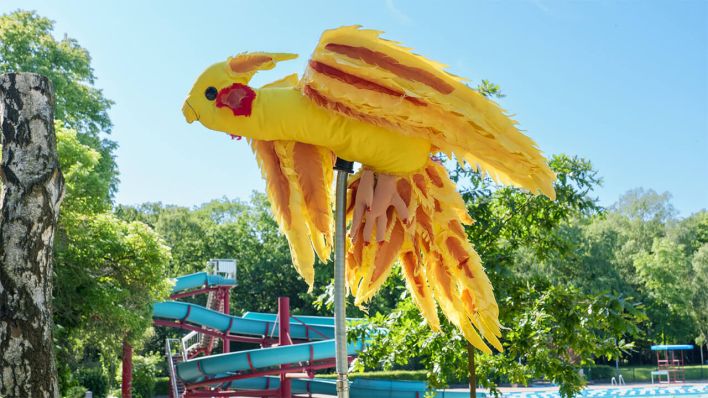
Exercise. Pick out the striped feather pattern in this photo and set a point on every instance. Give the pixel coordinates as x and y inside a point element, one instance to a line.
<point>356,73</point>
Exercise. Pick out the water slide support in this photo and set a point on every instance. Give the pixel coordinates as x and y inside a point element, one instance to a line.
<point>343,168</point>
<point>224,294</point>
<point>127,376</point>
<point>284,339</point>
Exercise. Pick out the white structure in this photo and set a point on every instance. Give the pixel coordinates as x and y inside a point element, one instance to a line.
<point>225,267</point>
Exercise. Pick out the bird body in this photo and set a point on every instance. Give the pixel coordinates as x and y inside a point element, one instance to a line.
<point>283,113</point>
<point>370,100</point>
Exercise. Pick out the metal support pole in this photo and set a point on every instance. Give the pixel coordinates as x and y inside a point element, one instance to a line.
<point>284,339</point>
<point>225,296</point>
<point>127,376</point>
<point>343,168</point>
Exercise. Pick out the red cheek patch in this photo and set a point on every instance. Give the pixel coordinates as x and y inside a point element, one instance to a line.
<point>237,97</point>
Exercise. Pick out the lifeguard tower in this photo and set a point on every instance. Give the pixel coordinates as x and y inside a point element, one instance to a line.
<point>670,363</point>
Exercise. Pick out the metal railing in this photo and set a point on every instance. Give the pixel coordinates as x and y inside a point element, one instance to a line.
<point>191,342</point>
<point>619,381</point>
<point>171,364</point>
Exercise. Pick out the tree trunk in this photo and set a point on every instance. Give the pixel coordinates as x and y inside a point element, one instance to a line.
<point>470,364</point>
<point>32,190</point>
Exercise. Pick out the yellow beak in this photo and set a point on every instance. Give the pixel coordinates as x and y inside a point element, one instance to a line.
<point>189,113</point>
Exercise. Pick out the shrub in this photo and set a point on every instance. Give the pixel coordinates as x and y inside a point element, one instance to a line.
<point>145,371</point>
<point>95,380</point>
<point>75,392</point>
<point>600,373</point>
<point>162,385</point>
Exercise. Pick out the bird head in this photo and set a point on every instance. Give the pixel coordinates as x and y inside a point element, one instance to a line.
<point>222,92</point>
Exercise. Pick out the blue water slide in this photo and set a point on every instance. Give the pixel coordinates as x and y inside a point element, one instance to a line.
<point>200,279</point>
<point>359,388</point>
<point>308,319</point>
<point>197,369</point>
<point>201,316</point>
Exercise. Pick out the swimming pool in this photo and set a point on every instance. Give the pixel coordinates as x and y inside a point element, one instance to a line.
<point>687,390</point>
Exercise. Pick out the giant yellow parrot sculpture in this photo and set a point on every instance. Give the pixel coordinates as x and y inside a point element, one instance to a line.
<point>370,100</point>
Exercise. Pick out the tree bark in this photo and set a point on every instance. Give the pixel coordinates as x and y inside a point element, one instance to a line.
<point>32,190</point>
<point>473,376</point>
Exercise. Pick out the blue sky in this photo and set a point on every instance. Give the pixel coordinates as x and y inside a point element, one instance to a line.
<point>624,84</point>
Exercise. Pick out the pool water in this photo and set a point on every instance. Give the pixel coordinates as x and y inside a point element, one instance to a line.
<point>687,390</point>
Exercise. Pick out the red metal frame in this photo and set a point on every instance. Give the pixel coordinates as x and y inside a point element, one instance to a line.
<point>284,339</point>
<point>673,366</point>
<point>267,341</point>
<point>248,393</point>
<point>127,376</point>
<point>329,363</point>
<point>195,292</point>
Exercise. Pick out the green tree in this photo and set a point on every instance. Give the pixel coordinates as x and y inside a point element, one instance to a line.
<point>673,274</point>
<point>29,46</point>
<point>108,272</point>
<point>641,249</point>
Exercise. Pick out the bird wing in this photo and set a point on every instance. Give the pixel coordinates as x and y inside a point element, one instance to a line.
<point>356,73</point>
<point>299,181</point>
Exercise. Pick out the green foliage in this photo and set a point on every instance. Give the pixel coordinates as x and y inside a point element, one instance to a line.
<point>95,380</point>
<point>76,392</point>
<point>87,191</point>
<point>600,372</point>
<point>640,248</point>
<point>109,272</point>
<point>162,385</point>
<point>146,369</point>
<point>489,89</point>
<point>558,329</point>
<point>28,46</point>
